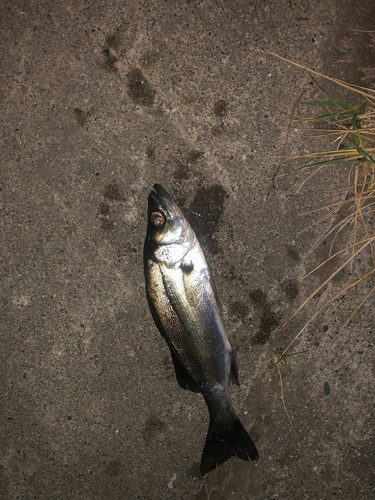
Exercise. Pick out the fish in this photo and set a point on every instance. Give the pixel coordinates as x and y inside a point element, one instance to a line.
<point>183,302</point>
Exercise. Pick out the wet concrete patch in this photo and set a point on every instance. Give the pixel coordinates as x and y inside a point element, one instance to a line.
<point>112,192</point>
<point>205,212</point>
<point>153,427</point>
<point>139,88</point>
<point>269,320</point>
<point>221,108</point>
<point>293,252</point>
<point>107,224</point>
<point>218,130</point>
<point>290,288</point>
<point>122,38</point>
<point>238,310</point>
<point>352,57</point>
<point>113,468</point>
<point>104,208</point>
<point>150,152</point>
<point>110,62</point>
<point>80,116</point>
<point>186,167</point>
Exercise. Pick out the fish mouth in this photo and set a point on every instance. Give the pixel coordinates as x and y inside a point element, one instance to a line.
<point>162,193</point>
<point>162,199</point>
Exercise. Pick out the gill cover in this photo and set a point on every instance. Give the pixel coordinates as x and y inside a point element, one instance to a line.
<point>168,232</point>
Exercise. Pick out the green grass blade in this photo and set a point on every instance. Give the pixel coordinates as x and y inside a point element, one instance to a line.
<point>362,109</point>
<point>319,87</point>
<point>355,140</point>
<point>295,353</point>
<point>322,118</point>
<point>326,162</point>
<point>365,154</point>
<point>333,104</point>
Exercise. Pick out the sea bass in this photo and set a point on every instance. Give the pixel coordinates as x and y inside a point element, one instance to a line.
<point>182,299</point>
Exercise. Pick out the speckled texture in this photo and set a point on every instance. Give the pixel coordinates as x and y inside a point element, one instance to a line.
<point>100,100</point>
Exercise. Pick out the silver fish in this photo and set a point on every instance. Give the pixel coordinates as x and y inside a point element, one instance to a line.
<point>182,299</point>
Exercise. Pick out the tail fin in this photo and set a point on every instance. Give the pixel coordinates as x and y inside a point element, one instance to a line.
<point>229,441</point>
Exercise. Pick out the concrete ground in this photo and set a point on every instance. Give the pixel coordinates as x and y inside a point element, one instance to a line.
<point>99,101</point>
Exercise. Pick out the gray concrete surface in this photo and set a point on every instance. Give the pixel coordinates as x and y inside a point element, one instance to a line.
<point>100,100</point>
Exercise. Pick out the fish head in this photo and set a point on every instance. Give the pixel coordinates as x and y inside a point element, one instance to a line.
<point>168,232</point>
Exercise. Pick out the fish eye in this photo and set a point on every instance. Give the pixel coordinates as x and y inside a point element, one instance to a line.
<point>157,219</point>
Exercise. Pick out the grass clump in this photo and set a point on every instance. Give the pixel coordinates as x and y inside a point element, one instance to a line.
<point>352,128</point>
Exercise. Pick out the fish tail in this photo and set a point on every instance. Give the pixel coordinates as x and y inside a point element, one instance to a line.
<point>224,442</point>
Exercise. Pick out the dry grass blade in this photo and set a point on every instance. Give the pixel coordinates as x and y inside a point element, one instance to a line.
<point>343,222</point>
<point>354,129</point>
<point>367,241</point>
<point>341,292</point>
<point>208,493</point>
<point>360,305</point>
<point>276,360</point>
<point>283,400</point>
<point>318,290</point>
<point>365,92</point>
<point>356,124</point>
<point>272,183</point>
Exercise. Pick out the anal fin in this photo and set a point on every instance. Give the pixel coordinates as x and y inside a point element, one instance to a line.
<point>233,374</point>
<point>184,379</point>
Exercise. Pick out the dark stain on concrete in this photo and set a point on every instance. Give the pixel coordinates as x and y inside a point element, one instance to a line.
<point>326,389</point>
<point>205,213</point>
<point>150,152</point>
<point>113,468</point>
<point>183,171</point>
<point>112,192</point>
<point>221,108</point>
<point>139,89</point>
<point>293,252</point>
<point>194,470</point>
<point>238,310</point>
<point>353,54</point>
<point>290,288</point>
<point>194,156</point>
<point>230,272</point>
<point>268,320</point>
<point>107,224</point>
<point>113,40</point>
<point>121,39</point>
<point>328,265</point>
<point>153,426</point>
<point>187,99</point>
<point>218,130</point>
<point>80,116</point>
<point>104,208</point>
<point>185,166</point>
<point>110,62</point>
